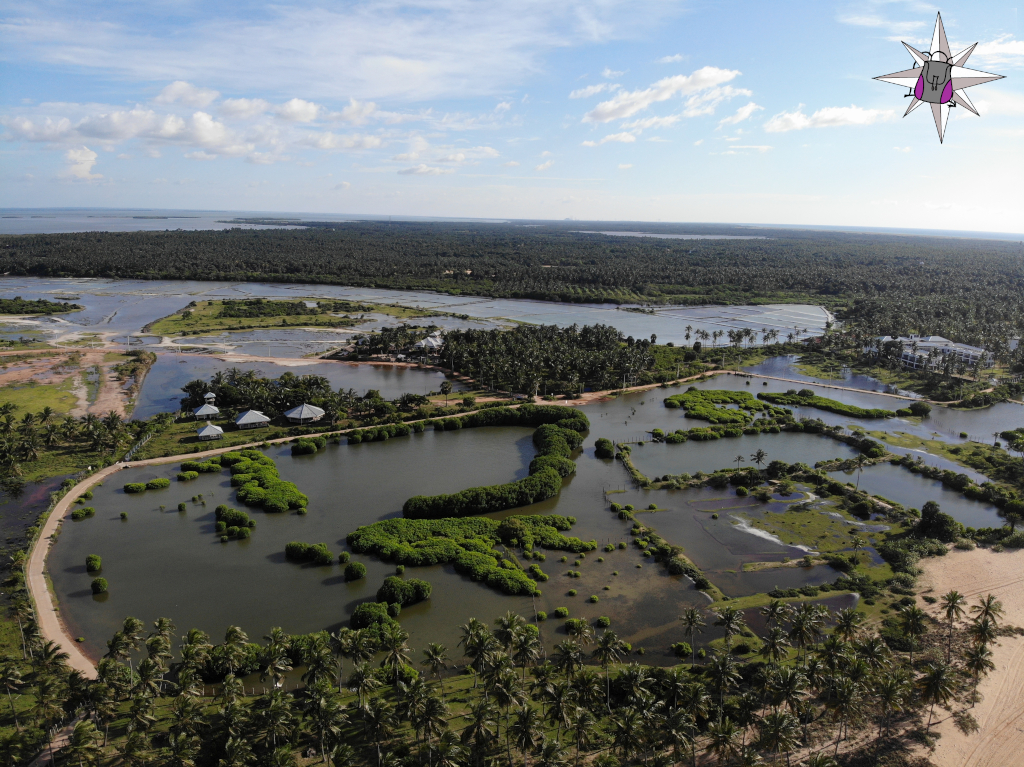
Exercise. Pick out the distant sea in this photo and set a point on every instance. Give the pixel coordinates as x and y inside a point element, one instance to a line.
<point>53,220</point>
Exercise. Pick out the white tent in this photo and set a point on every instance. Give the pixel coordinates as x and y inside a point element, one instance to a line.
<point>206,411</point>
<point>304,413</point>
<point>210,431</point>
<point>251,419</point>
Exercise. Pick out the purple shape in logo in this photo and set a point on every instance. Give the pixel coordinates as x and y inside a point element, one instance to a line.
<point>947,92</point>
<point>919,88</point>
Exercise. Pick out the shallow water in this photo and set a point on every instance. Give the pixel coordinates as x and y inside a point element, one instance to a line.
<point>125,306</point>
<point>913,490</point>
<point>161,391</point>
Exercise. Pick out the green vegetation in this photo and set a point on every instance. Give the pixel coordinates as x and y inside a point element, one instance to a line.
<point>557,435</point>
<point>255,475</point>
<point>311,553</point>
<point>402,592</point>
<point>99,585</point>
<point>303,446</point>
<point>705,404</point>
<point>604,448</point>
<point>807,398</point>
<point>83,513</point>
<point>468,544</point>
<point>201,317</point>
<point>354,571</point>
<point>19,305</point>
<point>93,563</point>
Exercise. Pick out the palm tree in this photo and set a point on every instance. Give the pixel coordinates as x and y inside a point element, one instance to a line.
<point>627,732</point>
<point>845,703</point>
<point>774,612</point>
<point>779,731</point>
<point>775,645</point>
<point>364,682</point>
<point>584,725</point>
<point>738,460</point>
<point>952,604</point>
<point>449,750</point>
<point>134,749</point>
<point>731,621</point>
<point>527,731</point>
<point>431,719</point>
<point>859,462</point>
<point>693,622</point>
<point>436,658</point>
<point>912,621</point>
<point>978,660</point>
<point>936,686</point>
<point>83,746</point>
<point>982,631</point>
<point>759,457</point>
<point>722,671</point>
<point>722,737</point>
<point>10,680</point>
<point>552,755</point>
<point>988,607</point>
<point>680,730</point>
<point>610,649</point>
<point>890,692</point>
<point>568,657</point>
<point>482,729</point>
<point>378,722</point>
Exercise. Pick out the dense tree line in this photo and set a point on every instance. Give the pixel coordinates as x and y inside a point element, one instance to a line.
<point>542,359</point>
<point>19,305</point>
<point>969,290</point>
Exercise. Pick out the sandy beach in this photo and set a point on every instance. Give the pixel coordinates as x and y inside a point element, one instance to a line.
<point>1000,715</point>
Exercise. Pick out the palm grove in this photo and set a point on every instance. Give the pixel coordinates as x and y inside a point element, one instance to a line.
<point>365,696</point>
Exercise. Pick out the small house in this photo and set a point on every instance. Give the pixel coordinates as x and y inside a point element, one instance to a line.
<point>210,431</point>
<point>304,413</point>
<point>251,419</point>
<point>206,411</point>
<point>209,397</point>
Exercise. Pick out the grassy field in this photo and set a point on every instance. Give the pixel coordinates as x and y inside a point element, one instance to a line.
<point>204,318</point>
<point>34,396</point>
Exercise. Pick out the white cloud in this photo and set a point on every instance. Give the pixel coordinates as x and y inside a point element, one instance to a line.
<point>425,170</point>
<point>546,153</point>
<point>671,59</point>
<point>828,117</point>
<point>761,149</point>
<point>653,122</point>
<point>512,164</point>
<point>1004,50</point>
<point>742,114</point>
<point>545,165</point>
<point>200,155</point>
<point>622,138</point>
<point>331,141</point>
<point>261,158</point>
<point>875,21</point>
<point>707,102</point>
<point>357,112</point>
<point>244,108</point>
<point>698,142</point>
<point>342,186</point>
<point>79,164</point>
<point>904,149</point>
<point>298,110</point>
<point>628,103</point>
<point>457,157</point>
<point>593,90</point>
<point>609,73</point>
<point>995,101</point>
<point>185,93</point>
<point>625,166</point>
<point>503,106</point>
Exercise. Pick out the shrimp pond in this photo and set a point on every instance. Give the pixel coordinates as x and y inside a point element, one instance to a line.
<point>160,561</point>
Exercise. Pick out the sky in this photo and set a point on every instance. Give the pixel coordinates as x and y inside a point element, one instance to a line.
<point>650,110</point>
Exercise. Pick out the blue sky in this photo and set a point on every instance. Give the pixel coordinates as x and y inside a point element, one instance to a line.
<point>647,110</point>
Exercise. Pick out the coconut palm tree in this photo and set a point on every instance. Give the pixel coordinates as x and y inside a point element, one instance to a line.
<point>627,732</point>
<point>723,673</point>
<point>982,631</point>
<point>890,692</point>
<point>731,621</point>
<point>775,645</point>
<point>585,727</point>
<point>435,657</point>
<point>774,612</point>
<point>936,686</point>
<point>568,657</point>
<point>913,622</point>
<point>527,731</point>
<point>379,722</point>
<point>693,622</point>
<point>83,744</point>
<point>952,604</point>
<point>988,607</point>
<point>978,661</point>
<point>759,457</point>
<point>779,731</point>
<point>722,740</point>
<point>609,650</point>
<point>10,681</point>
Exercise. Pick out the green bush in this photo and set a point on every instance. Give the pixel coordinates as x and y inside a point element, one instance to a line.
<point>93,563</point>
<point>371,613</point>
<point>135,487</point>
<point>807,398</point>
<point>344,557</point>
<point>83,513</point>
<point>124,515</point>
<point>313,553</point>
<point>99,585</point>
<point>541,616</point>
<point>243,533</point>
<point>593,598</point>
<point>308,446</point>
<point>603,622</point>
<point>742,492</point>
<point>395,590</point>
<point>158,483</point>
<point>561,612</point>
<point>354,571</point>
<point>181,507</point>
<point>185,476</point>
<point>604,448</point>
<point>86,496</point>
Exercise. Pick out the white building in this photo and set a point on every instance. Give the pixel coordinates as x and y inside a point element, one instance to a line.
<point>431,344</point>
<point>304,413</point>
<point>210,431</point>
<point>919,352</point>
<point>251,419</point>
<point>206,411</point>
